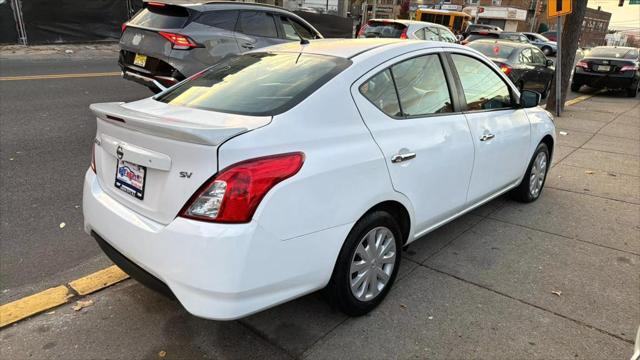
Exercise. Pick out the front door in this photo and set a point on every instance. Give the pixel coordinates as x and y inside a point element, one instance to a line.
<point>425,141</point>
<point>499,128</point>
<point>256,29</point>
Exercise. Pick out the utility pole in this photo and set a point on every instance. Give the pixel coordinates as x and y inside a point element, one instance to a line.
<point>568,39</point>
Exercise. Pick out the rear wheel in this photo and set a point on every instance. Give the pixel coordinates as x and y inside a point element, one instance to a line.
<point>531,186</point>
<point>575,87</point>
<point>367,264</point>
<point>633,91</point>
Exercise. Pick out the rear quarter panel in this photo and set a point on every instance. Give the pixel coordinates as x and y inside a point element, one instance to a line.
<point>344,173</point>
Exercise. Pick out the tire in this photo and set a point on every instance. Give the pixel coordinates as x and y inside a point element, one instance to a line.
<point>339,290</point>
<point>533,181</point>
<point>521,86</point>
<point>575,87</point>
<point>546,50</point>
<point>547,88</point>
<point>633,92</point>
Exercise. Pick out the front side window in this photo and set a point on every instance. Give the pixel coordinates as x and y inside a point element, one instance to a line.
<point>431,34</point>
<point>483,88</point>
<point>526,57</point>
<point>538,57</point>
<point>422,87</point>
<point>257,23</point>
<point>302,30</point>
<point>225,19</point>
<point>382,93</point>
<point>261,84</point>
<point>289,32</point>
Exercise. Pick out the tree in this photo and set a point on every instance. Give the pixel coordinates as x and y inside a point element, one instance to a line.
<point>633,41</point>
<point>570,38</point>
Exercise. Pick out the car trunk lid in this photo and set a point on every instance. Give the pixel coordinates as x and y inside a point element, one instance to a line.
<point>606,65</point>
<point>176,146</point>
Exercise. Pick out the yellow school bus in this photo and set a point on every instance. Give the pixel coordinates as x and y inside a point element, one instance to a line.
<point>457,21</point>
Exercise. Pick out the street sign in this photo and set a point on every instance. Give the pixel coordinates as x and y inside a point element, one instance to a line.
<point>559,7</point>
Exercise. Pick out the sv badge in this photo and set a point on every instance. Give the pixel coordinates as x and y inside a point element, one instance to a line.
<point>184,174</point>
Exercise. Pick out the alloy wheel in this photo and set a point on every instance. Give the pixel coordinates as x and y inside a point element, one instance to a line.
<point>372,264</point>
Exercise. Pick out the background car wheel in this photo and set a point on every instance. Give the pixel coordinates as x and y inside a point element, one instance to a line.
<point>633,92</point>
<point>546,50</point>
<point>575,87</point>
<point>545,93</point>
<point>521,86</point>
<point>531,186</point>
<point>367,264</point>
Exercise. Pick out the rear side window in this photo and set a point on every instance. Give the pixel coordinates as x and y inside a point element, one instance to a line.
<point>260,84</point>
<point>483,88</point>
<point>379,29</point>
<point>422,87</point>
<point>526,57</point>
<point>257,23</point>
<point>166,17</point>
<point>381,91</point>
<point>225,19</point>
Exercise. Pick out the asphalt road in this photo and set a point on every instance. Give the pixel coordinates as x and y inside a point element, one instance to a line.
<point>45,146</point>
<point>45,139</point>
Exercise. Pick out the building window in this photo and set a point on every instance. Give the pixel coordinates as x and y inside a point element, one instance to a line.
<point>496,2</point>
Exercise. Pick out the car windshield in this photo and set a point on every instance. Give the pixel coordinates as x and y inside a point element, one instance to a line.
<point>612,52</point>
<point>256,84</point>
<point>493,50</point>
<point>541,37</point>
<point>383,29</point>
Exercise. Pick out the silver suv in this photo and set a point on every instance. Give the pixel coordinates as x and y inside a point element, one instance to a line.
<point>164,43</point>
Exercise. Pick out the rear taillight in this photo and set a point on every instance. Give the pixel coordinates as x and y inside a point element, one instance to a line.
<point>179,42</point>
<point>506,69</point>
<point>123,27</point>
<point>582,64</point>
<point>233,195</point>
<point>629,68</point>
<point>93,157</point>
<point>404,34</point>
<point>362,30</point>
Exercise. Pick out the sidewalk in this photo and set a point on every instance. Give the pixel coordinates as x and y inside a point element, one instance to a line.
<point>554,279</point>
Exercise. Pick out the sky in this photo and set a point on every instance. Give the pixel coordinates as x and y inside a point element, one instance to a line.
<point>622,18</point>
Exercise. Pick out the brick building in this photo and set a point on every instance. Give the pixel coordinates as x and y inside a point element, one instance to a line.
<point>594,26</point>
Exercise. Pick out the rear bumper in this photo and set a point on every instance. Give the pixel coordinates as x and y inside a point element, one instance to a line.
<point>611,81</point>
<point>156,74</point>
<point>144,80</point>
<point>216,271</point>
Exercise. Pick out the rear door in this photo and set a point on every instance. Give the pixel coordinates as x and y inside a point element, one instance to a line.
<point>529,72</point>
<point>215,31</point>
<point>257,29</point>
<point>424,139</point>
<point>545,74</point>
<point>499,127</point>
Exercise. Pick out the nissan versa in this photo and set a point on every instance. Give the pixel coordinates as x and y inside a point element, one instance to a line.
<point>300,167</point>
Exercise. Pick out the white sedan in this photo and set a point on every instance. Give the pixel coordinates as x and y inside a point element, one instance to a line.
<point>283,171</point>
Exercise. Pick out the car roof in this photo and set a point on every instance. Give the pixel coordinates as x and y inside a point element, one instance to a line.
<point>211,5</point>
<point>409,22</point>
<point>359,49</point>
<point>615,47</point>
<point>505,42</point>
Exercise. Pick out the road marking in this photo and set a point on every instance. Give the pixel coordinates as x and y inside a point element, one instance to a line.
<point>59,76</point>
<point>98,280</point>
<point>582,98</point>
<point>31,305</point>
<point>53,297</point>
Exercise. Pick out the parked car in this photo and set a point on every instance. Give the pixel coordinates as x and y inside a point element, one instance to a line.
<point>547,46</point>
<point>480,27</point>
<point>491,34</point>
<point>165,43</point>
<point>406,29</point>
<point>551,35</point>
<point>240,188</point>
<point>524,64</point>
<point>609,67</point>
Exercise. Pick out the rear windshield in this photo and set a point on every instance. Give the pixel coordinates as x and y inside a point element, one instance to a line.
<point>493,50</point>
<point>473,37</point>
<point>380,29</point>
<point>166,17</point>
<point>256,84</point>
<point>611,52</point>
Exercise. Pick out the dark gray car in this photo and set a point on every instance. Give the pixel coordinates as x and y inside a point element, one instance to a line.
<point>166,42</point>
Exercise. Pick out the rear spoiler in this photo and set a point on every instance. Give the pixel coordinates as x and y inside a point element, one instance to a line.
<point>217,128</point>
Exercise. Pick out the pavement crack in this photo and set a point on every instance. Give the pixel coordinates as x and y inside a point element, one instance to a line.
<point>588,194</point>
<point>579,322</point>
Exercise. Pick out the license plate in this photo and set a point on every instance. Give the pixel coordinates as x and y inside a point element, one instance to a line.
<point>130,178</point>
<point>604,68</point>
<point>140,60</point>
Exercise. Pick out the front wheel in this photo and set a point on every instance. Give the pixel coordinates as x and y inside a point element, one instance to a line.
<point>531,186</point>
<point>367,264</point>
<point>546,51</point>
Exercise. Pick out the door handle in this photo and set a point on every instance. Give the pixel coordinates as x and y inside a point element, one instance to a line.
<point>248,46</point>
<point>397,158</point>
<point>487,136</point>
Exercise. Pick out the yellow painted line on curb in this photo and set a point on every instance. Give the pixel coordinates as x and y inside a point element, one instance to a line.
<point>59,76</point>
<point>98,280</point>
<point>31,305</point>
<point>53,297</point>
<point>578,99</point>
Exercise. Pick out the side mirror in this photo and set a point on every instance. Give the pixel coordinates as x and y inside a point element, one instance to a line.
<point>459,38</point>
<point>550,63</point>
<point>529,99</point>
